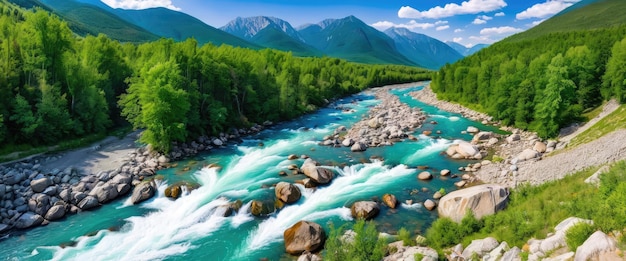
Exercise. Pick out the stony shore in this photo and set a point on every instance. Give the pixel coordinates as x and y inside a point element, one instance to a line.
<point>40,189</point>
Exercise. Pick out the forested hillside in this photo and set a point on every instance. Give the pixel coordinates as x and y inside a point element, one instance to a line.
<point>540,84</point>
<point>56,86</point>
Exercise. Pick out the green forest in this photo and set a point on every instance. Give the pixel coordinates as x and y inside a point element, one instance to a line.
<point>541,84</point>
<point>58,86</point>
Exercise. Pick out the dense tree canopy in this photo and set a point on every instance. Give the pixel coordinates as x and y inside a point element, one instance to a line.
<point>541,84</point>
<point>58,86</point>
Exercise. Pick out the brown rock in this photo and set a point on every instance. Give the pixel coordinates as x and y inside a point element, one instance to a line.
<point>319,175</point>
<point>482,200</point>
<point>364,209</point>
<point>390,200</point>
<point>425,176</point>
<point>429,204</point>
<point>287,193</point>
<point>292,157</point>
<point>304,236</point>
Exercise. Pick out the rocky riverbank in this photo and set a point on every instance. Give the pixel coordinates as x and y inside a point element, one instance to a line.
<point>388,122</point>
<point>38,190</point>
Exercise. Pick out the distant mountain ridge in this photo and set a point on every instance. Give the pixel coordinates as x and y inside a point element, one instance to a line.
<point>464,50</point>
<point>423,50</point>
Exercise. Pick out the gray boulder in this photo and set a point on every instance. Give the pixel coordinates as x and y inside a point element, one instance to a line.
<point>317,174</point>
<point>143,191</point>
<point>594,246</point>
<point>88,202</point>
<point>14,177</point>
<point>27,220</point>
<point>409,253</point>
<point>358,146</point>
<point>104,193</point>
<point>347,142</point>
<point>480,247</point>
<point>55,212</point>
<point>482,200</point>
<point>527,154</point>
<point>512,255</point>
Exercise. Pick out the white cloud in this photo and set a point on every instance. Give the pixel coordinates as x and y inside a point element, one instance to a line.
<point>458,30</point>
<point>479,21</point>
<point>484,17</point>
<point>140,4</point>
<point>452,9</point>
<point>441,22</point>
<point>384,25</point>
<point>457,39</point>
<point>481,39</point>
<point>499,30</point>
<point>499,14</point>
<point>543,10</point>
<point>535,23</point>
<point>441,28</point>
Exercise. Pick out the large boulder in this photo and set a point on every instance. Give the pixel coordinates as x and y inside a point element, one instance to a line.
<point>527,154</point>
<point>104,193</point>
<point>55,212</point>
<point>482,200</point>
<point>143,191</point>
<point>466,149</point>
<point>304,236</point>
<point>358,146</point>
<point>28,219</point>
<point>347,142</point>
<point>482,136</point>
<point>390,200</point>
<point>594,246</point>
<point>480,247</point>
<point>88,202</point>
<point>557,239</point>
<point>39,185</point>
<point>364,209</point>
<point>317,174</point>
<point>287,192</point>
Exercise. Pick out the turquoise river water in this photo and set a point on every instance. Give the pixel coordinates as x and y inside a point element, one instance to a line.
<point>185,229</point>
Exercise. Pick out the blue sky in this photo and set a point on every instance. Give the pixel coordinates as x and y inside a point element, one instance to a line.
<point>467,22</point>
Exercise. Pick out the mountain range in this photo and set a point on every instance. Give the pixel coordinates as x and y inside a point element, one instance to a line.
<point>347,38</point>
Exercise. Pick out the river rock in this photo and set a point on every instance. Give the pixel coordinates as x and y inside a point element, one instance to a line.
<point>27,220</point>
<point>540,147</point>
<point>527,154</point>
<point>364,209</point>
<point>261,208</point>
<point>390,200</point>
<point>292,157</point>
<point>39,185</point>
<point>14,177</point>
<point>104,193</point>
<point>55,212</point>
<point>425,175</point>
<point>347,142</point>
<point>173,191</point>
<point>480,247</point>
<point>304,236</point>
<point>88,202</point>
<point>482,200</point>
<point>358,146</point>
<point>143,191</point>
<point>472,129</point>
<point>429,204</point>
<point>445,172</point>
<point>317,174</point>
<point>513,138</point>
<point>594,246</point>
<point>374,123</point>
<point>306,256</point>
<point>404,253</point>
<point>482,136</point>
<point>217,142</point>
<point>287,193</point>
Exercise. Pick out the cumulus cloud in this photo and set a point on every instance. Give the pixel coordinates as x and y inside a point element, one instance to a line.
<point>441,28</point>
<point>499,14</point>
<point>457,39</point>
<point>499,30</point>
<point>458,30</point>
<point>543,10</point>
<point>479,21</point>
<point>536,22</point>
<point>140,4</point>
<point>384,25</point>
<point>441,22</point>
<point>452,9</point>
<point>485,17</point>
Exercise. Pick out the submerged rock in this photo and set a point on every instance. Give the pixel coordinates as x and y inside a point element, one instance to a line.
<point>261,208</point>
<point>304,236</point>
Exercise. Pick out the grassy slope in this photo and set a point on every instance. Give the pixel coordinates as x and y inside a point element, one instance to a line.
<point>86,19</point>
<point>599,14</point>
<point>610,123</point>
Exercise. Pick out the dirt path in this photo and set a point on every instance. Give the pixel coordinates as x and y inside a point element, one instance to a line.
<point>607,109</point>
<point>106,154</point>
<point>553,166</point>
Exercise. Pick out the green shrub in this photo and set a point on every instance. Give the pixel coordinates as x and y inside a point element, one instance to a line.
<point>577,234</point>
<point>418,256</point>
<point>445,232</point>
<point>405,236</point>
<point>367,245</point>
